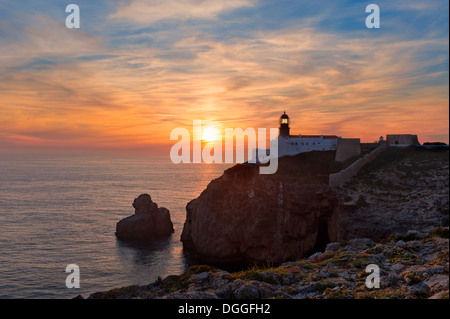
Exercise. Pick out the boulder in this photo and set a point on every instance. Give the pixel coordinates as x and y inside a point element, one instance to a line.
<point>148,221</point>
<point>437,283</point>
<point>247,291</point>
<point>332,247</point>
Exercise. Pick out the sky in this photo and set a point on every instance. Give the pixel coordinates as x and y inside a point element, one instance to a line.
<point>135,70</point>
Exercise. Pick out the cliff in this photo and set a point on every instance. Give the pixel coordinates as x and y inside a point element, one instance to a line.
<point>401,190</point>
<point>244,217</point>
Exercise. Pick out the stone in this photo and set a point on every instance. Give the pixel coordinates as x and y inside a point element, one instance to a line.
<point>202,277</point>
<point>398,267</point>
<point>148,221</point>
<point>332,247</point>
<point>400,244</point>
<point>419,290</point>
<point>360,243</point>
<point>437,283</point>
<point>247,291</point>
<point>415,234</point>
<point>315,256</point>
<point>440,295</point>
<point>191,295</point>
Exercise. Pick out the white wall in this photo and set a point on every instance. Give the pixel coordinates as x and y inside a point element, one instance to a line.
<point>295,145</point>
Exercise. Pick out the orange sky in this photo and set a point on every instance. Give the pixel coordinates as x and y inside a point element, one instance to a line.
<point>115,85</point>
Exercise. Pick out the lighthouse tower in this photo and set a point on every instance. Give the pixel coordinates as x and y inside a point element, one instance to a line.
<point>284,125</point>
<point>289,145</point>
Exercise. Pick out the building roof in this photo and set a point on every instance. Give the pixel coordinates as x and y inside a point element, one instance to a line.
<point>284,116</point>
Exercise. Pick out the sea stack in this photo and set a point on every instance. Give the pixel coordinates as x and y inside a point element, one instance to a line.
<point>148,221</point>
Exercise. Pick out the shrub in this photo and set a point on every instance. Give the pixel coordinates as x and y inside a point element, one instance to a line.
<point>441,232</point>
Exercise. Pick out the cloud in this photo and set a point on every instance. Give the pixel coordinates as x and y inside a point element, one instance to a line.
<point>41,42</point>
<point>327,81</point>
<point>149,12</point>
<point>134,85</point>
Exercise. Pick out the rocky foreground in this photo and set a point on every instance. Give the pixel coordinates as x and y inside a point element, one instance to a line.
<point>414,266</point>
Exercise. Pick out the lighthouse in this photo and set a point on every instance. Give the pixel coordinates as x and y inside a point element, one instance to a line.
<point>289,145</point>
<point>294,144</point>
<point>284,125</point>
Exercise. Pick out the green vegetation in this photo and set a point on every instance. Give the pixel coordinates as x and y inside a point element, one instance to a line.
<point>269,274</point>
<point>340,259</point>
<point>440,232</point>
<point>347,260</point>
<point>175,283</point>
<point>445,295</point>
<point>405,256</point>
<point>255,273</point>
<point>381,294</point>
<point>405,238</point>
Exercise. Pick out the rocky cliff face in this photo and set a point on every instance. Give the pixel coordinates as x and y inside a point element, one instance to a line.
<point>245,217</point>
<point>404,189</point>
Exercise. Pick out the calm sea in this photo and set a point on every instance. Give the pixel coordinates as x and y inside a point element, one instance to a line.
<point>63,210</point>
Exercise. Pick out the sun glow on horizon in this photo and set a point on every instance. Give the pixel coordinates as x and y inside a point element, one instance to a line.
<point>211,134</point>
<point>119,87</point>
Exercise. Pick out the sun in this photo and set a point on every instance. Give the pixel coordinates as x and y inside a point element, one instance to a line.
<point>211,134</point>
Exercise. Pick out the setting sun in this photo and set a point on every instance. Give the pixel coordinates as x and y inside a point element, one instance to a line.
<point>211,134</point>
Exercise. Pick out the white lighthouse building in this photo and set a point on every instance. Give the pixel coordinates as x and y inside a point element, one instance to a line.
<point>294,144</point>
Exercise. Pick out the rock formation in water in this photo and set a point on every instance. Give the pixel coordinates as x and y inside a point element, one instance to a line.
<point>148,221</point>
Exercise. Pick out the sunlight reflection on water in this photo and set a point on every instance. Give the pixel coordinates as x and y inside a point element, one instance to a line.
<point>58,211</point>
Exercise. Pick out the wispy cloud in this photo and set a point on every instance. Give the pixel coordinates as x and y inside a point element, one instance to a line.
<point>142,74</point>
<point>148,12</point>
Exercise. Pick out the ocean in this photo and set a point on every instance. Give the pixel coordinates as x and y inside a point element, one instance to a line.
<point>61,210</point>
